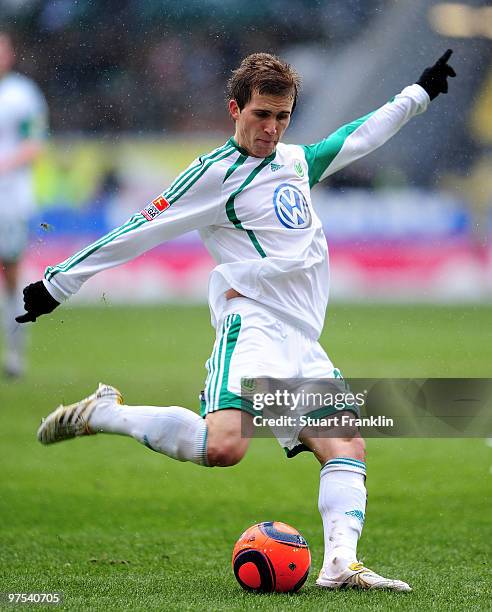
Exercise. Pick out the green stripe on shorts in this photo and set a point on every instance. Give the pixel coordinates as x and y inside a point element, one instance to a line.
<point>217,395</point>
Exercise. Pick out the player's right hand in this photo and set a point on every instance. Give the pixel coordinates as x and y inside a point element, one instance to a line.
<point>37,301</point>
<point>434,79</point>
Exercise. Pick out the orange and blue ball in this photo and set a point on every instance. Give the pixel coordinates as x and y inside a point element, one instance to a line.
<point>271,557</point>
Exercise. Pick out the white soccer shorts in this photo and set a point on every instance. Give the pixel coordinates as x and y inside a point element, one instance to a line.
<point>253,342</point>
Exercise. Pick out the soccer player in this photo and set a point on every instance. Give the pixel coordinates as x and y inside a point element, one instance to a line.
<point>250,200</point>
<point>22,128</point>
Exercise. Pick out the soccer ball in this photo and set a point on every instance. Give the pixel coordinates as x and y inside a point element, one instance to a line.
<point>271,557</point>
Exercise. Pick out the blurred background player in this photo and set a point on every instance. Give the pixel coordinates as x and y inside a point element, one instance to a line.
<point>23,115</point>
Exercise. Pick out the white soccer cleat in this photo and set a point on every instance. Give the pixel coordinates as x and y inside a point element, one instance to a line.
<point>70,421</point>
<point>357,576</point>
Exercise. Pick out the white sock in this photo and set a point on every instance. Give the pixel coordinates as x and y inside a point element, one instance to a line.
<point>174,431</point>
<point>342,504</point>
<point>14,333</point>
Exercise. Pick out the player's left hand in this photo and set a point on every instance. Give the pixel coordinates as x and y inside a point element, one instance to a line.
<point>37,301</point>
<point>434,79</point>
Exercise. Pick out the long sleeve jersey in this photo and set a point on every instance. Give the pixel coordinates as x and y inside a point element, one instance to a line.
<point>254,216</point>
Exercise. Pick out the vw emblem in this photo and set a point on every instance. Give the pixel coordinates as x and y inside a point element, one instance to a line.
<point>291,207</point>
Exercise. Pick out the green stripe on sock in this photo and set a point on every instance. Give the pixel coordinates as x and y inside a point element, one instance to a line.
<point>348,459</point>
<point>345,461</point>
<point>147,443</point>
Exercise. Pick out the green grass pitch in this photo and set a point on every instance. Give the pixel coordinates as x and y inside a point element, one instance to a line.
<point>115,526</point>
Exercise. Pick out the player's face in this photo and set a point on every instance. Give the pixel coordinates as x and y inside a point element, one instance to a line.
<point>7,56</point>
<point>261,123</point>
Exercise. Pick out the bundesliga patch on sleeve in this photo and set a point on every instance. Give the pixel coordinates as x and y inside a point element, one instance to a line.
<point>155,208</point>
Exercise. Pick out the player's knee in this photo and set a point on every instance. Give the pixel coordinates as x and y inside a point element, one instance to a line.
<point>227,440</point>
<point>225,454</point>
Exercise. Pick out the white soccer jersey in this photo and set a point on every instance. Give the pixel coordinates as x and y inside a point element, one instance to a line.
<point>255,217</point>
<point>23,115</point>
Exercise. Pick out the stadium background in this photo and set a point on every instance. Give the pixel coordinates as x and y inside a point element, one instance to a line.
<point>135,90</point>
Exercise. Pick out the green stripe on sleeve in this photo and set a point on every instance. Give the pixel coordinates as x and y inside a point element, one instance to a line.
<point>135,222</point>
<point>184,178</point>
<point>178,188</point>
<point>320,155</point>
<point>193,178</point>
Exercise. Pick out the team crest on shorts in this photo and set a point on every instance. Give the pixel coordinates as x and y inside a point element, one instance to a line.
<point>291,207</point>
<point>155,208</point>
<point>248,385</point>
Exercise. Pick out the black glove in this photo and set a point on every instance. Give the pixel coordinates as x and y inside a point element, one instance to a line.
<point>435,78</point>
<point>37,301</point>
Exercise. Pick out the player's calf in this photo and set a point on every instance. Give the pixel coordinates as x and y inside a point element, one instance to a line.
<point>225,454</point>
<point>329,442</point>
<point>219,440</point>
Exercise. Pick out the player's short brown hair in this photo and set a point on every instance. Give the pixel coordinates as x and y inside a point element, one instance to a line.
<point>265,74</point>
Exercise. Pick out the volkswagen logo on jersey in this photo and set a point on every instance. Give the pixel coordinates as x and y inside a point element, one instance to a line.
<point>291,207</point>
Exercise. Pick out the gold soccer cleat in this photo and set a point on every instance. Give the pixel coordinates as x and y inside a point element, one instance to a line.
<point>359,577</point>
<point>70,421</point>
